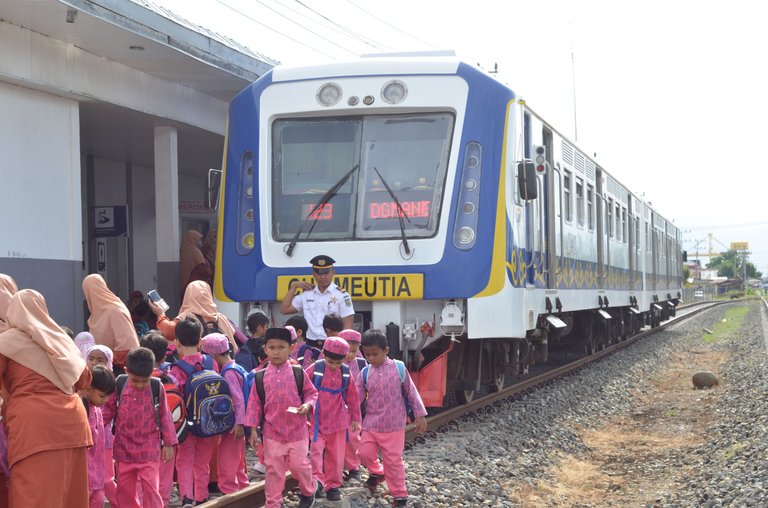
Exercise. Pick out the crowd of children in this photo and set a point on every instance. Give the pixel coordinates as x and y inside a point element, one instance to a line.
<point>187,400</point>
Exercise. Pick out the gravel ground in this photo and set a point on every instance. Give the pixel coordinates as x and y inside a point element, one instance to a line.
<point>485,459</point>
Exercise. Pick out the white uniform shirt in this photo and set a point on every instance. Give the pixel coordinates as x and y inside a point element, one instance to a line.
<point>315,305</point>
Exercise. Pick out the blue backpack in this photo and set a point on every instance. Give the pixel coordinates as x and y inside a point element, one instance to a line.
<point>307,349</point>
<point>210,411</point>
<point>401,373</point>
<point>317,380</point>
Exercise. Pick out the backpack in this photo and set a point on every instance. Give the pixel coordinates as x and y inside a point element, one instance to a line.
<point>209,326</point>
<point>401,373</point>
<point>174,399</point>
<point>154,384</point>
<point>313,351</point>
<point>361,363</point>
<point>210,410</point>
<point>257,381</point>
<point>317,380</point>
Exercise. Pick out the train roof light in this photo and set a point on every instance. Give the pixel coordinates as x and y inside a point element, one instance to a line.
<point>394,92</point>
<point>329,94</point>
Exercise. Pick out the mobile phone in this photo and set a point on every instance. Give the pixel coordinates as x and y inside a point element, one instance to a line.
<point>156,298</point>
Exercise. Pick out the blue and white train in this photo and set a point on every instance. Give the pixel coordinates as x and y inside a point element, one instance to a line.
<point>462,223</point>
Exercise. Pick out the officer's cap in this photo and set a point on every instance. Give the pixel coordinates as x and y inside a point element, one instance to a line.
<point>321,263</point>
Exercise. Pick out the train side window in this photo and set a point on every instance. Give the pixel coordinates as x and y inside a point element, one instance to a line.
<point>609,217</point>
<point>567,206</point>
<point>590,206</point>
<point>624,235</point>
<point>579,201</point>
<point>618,221</point>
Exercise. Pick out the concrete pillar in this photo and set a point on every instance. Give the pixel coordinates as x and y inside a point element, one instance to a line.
<point>167,215</point>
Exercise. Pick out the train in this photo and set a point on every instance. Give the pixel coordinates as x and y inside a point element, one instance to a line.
<point>469,229</point>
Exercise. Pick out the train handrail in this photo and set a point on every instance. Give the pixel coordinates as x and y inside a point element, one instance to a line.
<point>558,269</point>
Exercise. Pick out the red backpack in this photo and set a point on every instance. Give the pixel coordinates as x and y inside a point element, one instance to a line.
<point>175,400</point>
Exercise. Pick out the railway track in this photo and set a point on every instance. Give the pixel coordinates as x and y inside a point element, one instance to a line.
<point>253,496</point>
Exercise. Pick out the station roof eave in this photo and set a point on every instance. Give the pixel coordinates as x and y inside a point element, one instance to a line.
<point>145,37</point>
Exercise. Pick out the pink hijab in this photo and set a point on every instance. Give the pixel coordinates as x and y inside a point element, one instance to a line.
<point>199,301</point>
<point>104,349</point>
<point>7,290</point>
<point>190,255</point>
<point>110,322</point>
<point>83,342</point>
<point>35,341</point>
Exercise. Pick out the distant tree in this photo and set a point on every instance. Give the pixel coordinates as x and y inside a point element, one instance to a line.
<point>729,264</point>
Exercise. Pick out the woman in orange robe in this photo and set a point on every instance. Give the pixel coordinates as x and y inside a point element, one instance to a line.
<point>110,321</point>
<point>7,290</point>
<point>48,432</point>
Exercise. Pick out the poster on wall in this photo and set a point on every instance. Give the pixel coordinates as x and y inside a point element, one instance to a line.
<point>110,221</point>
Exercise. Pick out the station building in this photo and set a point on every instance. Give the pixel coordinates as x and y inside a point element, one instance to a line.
<point>111,114</point>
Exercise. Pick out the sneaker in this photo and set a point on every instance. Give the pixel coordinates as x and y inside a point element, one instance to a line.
<point>372,482</point>
<point>401,501</point>
<point>306,501</point>
<point>353,474</point>
<point>333,494</point>
<point>198,503</point>
<point>187,503</point>
<point>259,468</point>
<point>213,488</point>
<point>319,492</point>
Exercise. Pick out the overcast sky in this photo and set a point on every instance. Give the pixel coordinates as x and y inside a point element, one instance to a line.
<point>671,96</point>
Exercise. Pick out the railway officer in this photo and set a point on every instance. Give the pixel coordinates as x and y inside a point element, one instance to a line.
<point>319,299</point>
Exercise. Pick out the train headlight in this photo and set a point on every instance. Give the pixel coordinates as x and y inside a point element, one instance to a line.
<point>465,235</point>
<point>329,94</point>
<point>249,241</point>
<point>394,92</point>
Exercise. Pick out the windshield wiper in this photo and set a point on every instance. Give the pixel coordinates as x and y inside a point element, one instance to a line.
<point>399,215</point>
<point>320,204</point>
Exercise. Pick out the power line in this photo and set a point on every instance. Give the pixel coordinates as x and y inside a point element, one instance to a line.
<point>276,31</point>
<point>390,25</point>
<point>343,30</point>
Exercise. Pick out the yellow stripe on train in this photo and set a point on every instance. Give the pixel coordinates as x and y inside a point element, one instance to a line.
<point>362,287</point>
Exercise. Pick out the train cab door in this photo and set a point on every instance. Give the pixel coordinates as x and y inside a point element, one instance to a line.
<point>536,224</point>
<point>550,227</point>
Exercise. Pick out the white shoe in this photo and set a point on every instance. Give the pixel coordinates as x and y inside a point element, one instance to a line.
<point>259,468</point>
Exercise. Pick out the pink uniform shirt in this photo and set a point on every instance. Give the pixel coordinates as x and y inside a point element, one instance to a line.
<point>137,438</point>
<point>235,382</point>
<point>385,409</point>
<point>334,414</point>
<point>281,393</point>
<point>96,452</point>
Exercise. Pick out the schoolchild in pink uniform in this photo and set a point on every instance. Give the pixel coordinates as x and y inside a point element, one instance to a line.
<point>193,456</point>
<point>157,343</point>
<point>284,432</point>
<point>102,355</point>
<point>300,326</point>
<point>94,397</point>
<point>335,412</point>
<point>139,445</point>
<point>231,455</point>
<point>385,417</point>
<point>355,364</point>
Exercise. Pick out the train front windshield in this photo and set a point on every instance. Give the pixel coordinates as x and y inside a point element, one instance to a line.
<point>390,167</point>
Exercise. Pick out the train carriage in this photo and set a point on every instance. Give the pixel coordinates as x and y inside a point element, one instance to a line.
<point>462,223</point>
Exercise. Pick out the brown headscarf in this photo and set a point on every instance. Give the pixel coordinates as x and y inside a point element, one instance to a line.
<point>7,290</point>
<point>110,322</point>
<point>35,341</point>
<point>198,301</point>
<point>190,255</point>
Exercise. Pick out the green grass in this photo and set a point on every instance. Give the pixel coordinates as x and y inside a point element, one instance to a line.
<point>729,326</point>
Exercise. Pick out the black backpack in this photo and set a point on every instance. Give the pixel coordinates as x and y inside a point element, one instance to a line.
<point>209,326</point>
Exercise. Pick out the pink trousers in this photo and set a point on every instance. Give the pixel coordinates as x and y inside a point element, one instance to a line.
<point>391,445</point>
<point>166,479</point>
<point>231,471</point>
<point>143,475</point>
<point>193,471</point>
<point>351,460</point>
<point>327,457</point>
<point>96,499</point>
<point>282,457</point>
<point>110,487</point>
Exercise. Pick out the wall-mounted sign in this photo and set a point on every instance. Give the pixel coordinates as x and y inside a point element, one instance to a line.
<point>110,220</point>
